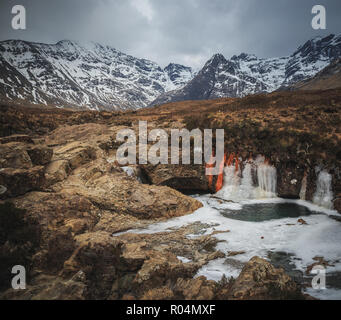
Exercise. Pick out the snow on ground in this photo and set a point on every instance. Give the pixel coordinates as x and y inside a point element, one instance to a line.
<point>320,237</point>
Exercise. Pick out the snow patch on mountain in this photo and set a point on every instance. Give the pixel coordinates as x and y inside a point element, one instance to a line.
<point>87,75</point>
<point>247,74</point>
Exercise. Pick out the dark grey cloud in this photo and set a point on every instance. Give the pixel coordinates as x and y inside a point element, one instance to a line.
<point>183,31</point>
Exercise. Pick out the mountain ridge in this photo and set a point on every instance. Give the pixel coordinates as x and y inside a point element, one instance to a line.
<point>87,74</point>
<point>247,74</point>
<point>94,76</point>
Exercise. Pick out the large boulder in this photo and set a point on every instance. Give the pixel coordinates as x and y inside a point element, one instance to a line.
<point>260,280</point>
<point>111,189</point>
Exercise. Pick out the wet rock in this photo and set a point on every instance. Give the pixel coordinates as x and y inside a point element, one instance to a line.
<point>311,184</point>
<point>259,280</point>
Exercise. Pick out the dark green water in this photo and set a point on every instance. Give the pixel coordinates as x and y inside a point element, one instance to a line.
<point>267,211</point>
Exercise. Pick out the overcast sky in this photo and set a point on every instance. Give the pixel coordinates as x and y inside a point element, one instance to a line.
<point>181,31</point>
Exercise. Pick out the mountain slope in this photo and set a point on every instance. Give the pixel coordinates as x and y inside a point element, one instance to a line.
<point>246,74</point>
<point>328,78</point>
<point>88,75</point>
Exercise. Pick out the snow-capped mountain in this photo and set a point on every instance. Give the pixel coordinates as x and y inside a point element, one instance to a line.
<point>246,74</point>
<point>94,76</point>
<point>86,75</point>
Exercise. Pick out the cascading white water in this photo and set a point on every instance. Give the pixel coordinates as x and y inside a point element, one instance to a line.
<point>247,189</point>
<point>230,189</point>
<point>267,180</point>
<point>239,185</point>
<point>324,195</point>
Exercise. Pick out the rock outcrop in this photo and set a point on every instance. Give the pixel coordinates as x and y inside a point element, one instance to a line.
<point>259,280</point>
<point>73,202</point>
<point>185,178</point>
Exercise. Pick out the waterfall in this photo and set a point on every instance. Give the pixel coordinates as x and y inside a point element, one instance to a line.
<point>267,180</point>
<point>246,190</point>
<point>257,179</point>
<point>239,185</point>
<point>231,185</point>
<point>324,195</point>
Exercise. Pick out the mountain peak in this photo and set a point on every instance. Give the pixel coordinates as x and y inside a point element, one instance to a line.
<point>218,56</point>
<point>318,45</point>
<point>216,59</point>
